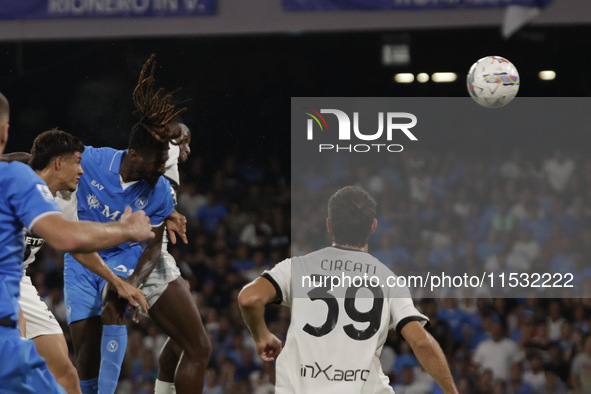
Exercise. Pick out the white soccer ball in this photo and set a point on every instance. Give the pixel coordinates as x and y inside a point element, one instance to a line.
<point>493,81</point>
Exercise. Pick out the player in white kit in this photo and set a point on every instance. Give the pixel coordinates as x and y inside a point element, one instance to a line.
<point>337,331</point>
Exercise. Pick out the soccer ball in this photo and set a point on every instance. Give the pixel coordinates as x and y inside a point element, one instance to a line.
<point>493,81</point>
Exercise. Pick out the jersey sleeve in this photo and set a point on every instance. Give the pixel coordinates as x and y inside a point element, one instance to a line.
<point>280,278</point>
<point>29,196</point>
<point>165,202</point>
<point>402,309</point>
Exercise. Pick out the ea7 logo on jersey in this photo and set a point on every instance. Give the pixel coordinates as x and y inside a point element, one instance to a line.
<point>337,375</point>
<point>97,185</point>
<point>44,190</point>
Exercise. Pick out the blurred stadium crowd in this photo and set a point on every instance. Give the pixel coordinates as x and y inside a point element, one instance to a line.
<point>525,212</point>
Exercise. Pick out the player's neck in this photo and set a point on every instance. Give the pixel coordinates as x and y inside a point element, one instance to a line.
<point>50,180</point>
<point>126,170</point>
<point>363,248</point>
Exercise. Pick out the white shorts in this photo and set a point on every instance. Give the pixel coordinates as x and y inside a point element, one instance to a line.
<point>39,319</point>
<point>156,283</point>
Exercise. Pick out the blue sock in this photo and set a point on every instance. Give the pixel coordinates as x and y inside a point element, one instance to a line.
<point>113,346</point>
<point>89,386</point>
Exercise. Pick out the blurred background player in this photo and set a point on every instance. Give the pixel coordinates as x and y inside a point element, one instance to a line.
<point>333,349</point>
<point>27,201</point>
<point>167,271</point>
<point>56,159</point>
<point>115,179</point>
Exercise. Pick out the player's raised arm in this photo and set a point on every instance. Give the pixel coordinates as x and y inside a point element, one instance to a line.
<point>252,300</point>
<point>69,236</point>
<point>429,354</point>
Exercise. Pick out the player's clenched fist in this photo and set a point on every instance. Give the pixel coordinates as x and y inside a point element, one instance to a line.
<point>269,347</point>
<point>137,225</point>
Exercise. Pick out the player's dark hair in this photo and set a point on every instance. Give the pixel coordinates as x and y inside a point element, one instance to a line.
<point>4,109</point>
<point>51,144</point>
<point>155,112</point>
<point>351,211</point>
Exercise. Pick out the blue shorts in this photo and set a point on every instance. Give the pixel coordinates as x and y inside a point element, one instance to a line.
<point>22,370</point>
<point>83,288</point>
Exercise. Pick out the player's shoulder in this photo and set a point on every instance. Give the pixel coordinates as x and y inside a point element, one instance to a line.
<point>163,184</point>
<point>315,254</point>
<point>93,152</point>
<point>18,173</point>
<point>284,263</point>
<point>16,167</point>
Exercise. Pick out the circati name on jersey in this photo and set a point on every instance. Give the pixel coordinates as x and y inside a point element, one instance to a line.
<point>347,265</point>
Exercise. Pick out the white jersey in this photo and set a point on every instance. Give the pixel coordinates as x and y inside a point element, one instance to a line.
<point>336,335</point>
<point>33,242</point>
<point>68,203</point>
<point>171,167</point>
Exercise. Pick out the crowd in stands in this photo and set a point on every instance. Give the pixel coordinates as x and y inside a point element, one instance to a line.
<point>525,212</point>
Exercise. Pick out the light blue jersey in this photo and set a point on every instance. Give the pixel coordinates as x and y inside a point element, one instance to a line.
<point>24,199</point>
<point>102,197</point>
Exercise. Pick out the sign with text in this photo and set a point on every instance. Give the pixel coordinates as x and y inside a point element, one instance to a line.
<point>73,9</point>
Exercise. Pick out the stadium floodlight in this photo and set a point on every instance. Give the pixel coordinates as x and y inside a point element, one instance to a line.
<point>547,75</point>
<point>440,77</point>
<point>422,77</point>
<point>404,78</point>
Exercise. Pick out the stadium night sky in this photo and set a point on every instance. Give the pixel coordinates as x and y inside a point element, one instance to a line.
<point>238,89</point>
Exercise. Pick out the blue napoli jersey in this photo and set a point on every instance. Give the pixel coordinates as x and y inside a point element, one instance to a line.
<point>102,197</point>
<point>24,199</point>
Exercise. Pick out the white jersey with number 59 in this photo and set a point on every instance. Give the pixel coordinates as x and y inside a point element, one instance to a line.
<point>341,311</point>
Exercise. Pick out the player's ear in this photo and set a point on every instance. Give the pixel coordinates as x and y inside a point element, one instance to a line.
<point>4,133</point>
<point>57,162</point>
<point>374,225</point>
<point>328,226</point>
<point>133,154</point>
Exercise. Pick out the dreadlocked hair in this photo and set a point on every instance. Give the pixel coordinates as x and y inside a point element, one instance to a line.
<point>156,112</point>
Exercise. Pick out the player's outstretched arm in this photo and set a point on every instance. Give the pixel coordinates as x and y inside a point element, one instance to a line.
<point>252,300</point>
<point>86,237</point>
<point>149,257</point>
<point>430,355</point>
<point>95,263</point>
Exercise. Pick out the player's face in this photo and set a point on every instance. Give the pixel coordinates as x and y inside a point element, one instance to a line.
<point>151,166</point>
<point>71,171</point>
<point>183,142</point>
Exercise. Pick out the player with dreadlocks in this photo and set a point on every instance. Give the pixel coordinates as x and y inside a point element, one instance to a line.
<point>114,179</point>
